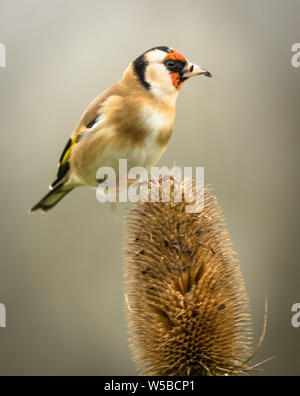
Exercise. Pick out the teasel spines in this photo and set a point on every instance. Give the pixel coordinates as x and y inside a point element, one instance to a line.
<point>188,310</point>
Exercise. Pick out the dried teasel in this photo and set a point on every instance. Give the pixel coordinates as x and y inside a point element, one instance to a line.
<point>188,310</point>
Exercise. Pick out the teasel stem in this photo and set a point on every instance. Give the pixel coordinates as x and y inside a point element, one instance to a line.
<point>186,302</point>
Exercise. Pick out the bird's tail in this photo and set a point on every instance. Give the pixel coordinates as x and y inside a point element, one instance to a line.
<point>52,198</point>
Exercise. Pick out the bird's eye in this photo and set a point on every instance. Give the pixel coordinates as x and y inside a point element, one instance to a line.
<point>170,63</point>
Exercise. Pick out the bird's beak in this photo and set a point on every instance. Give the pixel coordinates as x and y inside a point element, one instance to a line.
<point>192,70</point>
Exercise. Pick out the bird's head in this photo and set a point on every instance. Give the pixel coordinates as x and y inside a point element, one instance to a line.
<point>163,70</point>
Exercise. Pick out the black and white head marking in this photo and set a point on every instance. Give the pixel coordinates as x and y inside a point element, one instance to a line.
<point>140,64</point>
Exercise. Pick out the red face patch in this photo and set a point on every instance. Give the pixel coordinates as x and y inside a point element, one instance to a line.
<point>175,76</point>
<point>176,80</point>
<point>175,55</point>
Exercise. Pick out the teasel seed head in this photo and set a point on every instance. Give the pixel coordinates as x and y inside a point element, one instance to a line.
<point>187,307</point>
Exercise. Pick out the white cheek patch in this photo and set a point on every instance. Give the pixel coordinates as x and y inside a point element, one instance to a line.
<point>161,86</point>
<point>157,74</point>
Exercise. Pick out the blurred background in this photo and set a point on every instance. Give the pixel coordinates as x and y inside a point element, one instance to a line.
<point>61,273</point>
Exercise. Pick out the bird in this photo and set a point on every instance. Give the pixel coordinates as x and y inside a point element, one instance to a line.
<point>132,120</point>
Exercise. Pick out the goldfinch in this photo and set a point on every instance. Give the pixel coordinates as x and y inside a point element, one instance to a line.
<point>132,120</point>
